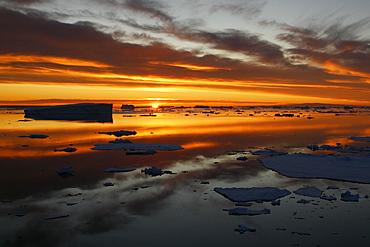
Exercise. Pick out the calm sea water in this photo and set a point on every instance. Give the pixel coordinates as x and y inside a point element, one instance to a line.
<point>179,209</point>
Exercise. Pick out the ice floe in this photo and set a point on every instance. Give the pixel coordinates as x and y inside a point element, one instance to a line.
<point>245,211</point>
<point>65,172</point>
<point>137,146</point>
<point>252,194</point>
<point>68,150</point>
<point>360,139</point>
<point>310,191</point>
<point>36,136</point>
<point>243,229</point>
<point>353,168</point>
<point>119,169</point>
<point>349,197</point>
<point>268,152</point>
<point>119,133</point>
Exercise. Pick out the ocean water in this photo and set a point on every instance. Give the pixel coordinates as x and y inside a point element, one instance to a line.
<point>181,208</point>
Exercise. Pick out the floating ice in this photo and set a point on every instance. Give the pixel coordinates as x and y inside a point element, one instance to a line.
<point>56,217</point>
<point>310,191</point>
<point>360,139</point>
<point>108,184</point>
<point>301,233</point>
<point>154,171</point>
<point>119,169</point>
<point>36,136</point>
<point>19,213</point>
<point>141,152</point>
<point>69,150</point>
<point>65,172</point>
<point>119,133</point>
<point>245,204</point>
<point>243,229</point>
<point>137,146</point>
<point>242,158</point>
<point>328,198</point>
<point>268,152</point>
<point>303,201</point>
<point>252,194</point>
<point>353,168</point>
<point>245,211</point>
<point>349,197</point>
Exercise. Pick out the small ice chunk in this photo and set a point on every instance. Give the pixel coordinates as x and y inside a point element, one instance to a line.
<point>303,201</point>
<point>71,203</point>
<point>245,211</point>
<point>242,229</point>
<point>243,158</point>
<point>301,233</point>
<point>19,213</point>
<point>332,188</point>
<point>252,194</point>
<point>311,191</point>
<point>56,217</point>
<point>275,203</point>
<point>119,133</point>
<point>36,136</point>
<point>108,184</point>
<point>313,147</point>
<point>153,171</point>
<point>69,149</point>
<point>65,171</point>
<point>268,152</point>
<point>349,197</point>
<point>328,198</point>
<point>121,141</point>
<point>119,169</point>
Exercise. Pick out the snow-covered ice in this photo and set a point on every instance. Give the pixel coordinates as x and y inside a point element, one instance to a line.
<point>252,194</point>
<point>310,191</point>
<point>353,168</point>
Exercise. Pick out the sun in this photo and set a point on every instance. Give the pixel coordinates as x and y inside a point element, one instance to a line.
<point>155,106</point>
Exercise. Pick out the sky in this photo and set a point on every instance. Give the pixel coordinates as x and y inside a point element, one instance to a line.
<point>185,51</point>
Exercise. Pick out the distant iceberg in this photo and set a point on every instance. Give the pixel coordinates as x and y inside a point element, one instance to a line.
<point>98,112</point>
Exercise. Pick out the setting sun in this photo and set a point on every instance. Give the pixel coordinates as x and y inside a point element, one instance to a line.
<point>155,106</point>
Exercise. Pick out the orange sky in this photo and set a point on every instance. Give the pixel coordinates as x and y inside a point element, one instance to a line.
<point>51,54</point>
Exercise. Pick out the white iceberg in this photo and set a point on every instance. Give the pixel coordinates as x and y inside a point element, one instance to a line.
<point>252,194</point>
<point>353,168</point>
<point>137,146</point>
<point>360,139</point>
<point>310,191</point>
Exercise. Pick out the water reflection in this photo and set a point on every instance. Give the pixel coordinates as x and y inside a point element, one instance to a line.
<point>172,204</point>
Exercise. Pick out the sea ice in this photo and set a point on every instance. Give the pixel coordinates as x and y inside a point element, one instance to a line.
<point>252,194</point>
<point>119,169</point>
<point>353,168</point>
<point>69,150</point>
<point>34,136</point>
<point>154,171</point>
<point>349,197</point>
<point>65,172</point>
<point>310,191</point>
<point>56,217</point>
<point>268,152</point>
<point>243,229</point>
<point>137,146</point>
<point>119,133</point>
<point>361,139</point>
